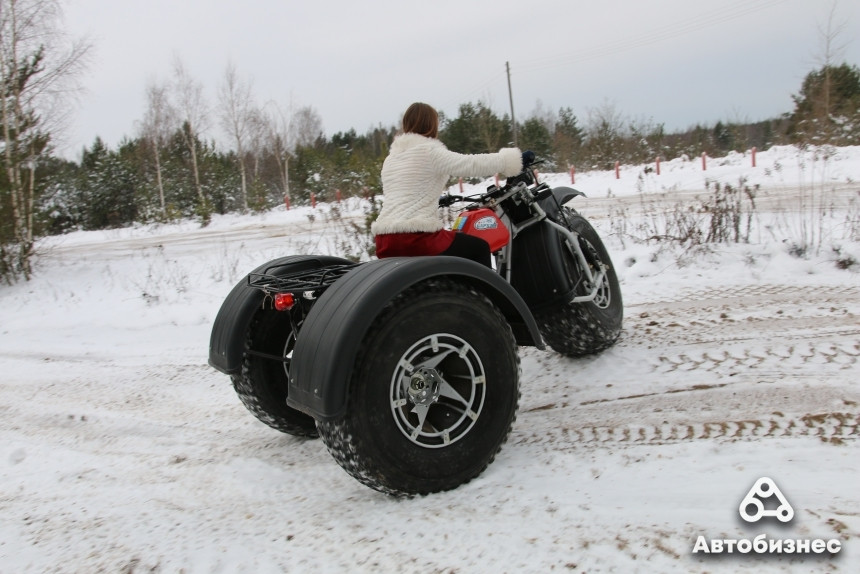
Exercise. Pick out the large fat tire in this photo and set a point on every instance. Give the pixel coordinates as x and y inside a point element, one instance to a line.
<point>577,329</point>
<point>262,383</point>
<point>380,440</point>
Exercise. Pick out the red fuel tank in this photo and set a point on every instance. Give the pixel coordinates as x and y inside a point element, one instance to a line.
<point>483,223</point>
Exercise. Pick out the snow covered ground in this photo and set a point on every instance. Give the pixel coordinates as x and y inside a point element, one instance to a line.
<point>122,451</point>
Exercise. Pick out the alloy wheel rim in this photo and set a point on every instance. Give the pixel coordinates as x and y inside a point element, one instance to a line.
<point>437,390</point>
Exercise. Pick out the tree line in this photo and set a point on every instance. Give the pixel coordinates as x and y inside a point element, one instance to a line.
<point>169,169</point>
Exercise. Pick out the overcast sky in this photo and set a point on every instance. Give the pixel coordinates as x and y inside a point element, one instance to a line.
<point>360,64</point>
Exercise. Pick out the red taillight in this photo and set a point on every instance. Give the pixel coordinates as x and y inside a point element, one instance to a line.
<point>284,301</point>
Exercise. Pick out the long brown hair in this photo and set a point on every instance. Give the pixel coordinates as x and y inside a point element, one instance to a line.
<point>421,119</point>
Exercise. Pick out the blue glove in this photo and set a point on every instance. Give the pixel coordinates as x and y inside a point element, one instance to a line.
<point>528,158</point>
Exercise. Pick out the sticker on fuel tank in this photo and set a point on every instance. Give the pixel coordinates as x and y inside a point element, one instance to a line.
<point>487,222</point>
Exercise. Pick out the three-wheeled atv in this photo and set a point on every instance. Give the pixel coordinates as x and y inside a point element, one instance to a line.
<point>407,368</point>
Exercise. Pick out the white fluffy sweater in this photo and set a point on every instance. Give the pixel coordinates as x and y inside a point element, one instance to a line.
<point>415,173</point>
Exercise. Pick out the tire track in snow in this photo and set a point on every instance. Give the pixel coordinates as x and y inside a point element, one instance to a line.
<point>789,329</point>
<point>773,361</point>
<point>830,427</point>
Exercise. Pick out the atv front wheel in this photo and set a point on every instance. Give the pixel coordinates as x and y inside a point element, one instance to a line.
<point>576,329</point>
<point>433,395</point>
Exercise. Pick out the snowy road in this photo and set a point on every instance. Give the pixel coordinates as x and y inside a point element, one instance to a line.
<point>141,457</point>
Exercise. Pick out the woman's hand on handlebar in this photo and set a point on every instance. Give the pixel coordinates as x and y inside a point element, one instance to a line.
<point>449,200</point>
<point>528,158</point>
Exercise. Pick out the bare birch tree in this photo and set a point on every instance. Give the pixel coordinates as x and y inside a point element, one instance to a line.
<point>236,111</point>
<point>306,127</point>
<point>39,69</point>
<point>278,141</point>
<point>830,51</point>
<point>156,128</point>
<point>192,113</point>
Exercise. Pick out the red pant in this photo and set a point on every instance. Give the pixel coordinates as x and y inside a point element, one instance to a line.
<point>410,244</point>
<point>438,243</point>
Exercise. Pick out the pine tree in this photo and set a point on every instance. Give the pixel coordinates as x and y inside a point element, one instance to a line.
<point>827,108</point>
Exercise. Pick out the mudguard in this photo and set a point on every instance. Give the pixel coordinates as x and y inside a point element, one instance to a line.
<point>539,274</point>
<point>329,341</point>
<point>227,342</point>
<point>560,196</point>
<point>541,277</point>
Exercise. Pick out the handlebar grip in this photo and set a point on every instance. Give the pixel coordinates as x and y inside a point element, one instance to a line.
<point>448,200</point>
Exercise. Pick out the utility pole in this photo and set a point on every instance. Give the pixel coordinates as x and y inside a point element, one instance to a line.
<point>511,97</point>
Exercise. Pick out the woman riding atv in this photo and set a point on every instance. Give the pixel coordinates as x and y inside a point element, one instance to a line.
<point>414,175</point>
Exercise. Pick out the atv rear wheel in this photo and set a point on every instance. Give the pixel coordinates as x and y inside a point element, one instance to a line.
<point>433,395</point>
<point>262,382</point>
<point>576,329</point>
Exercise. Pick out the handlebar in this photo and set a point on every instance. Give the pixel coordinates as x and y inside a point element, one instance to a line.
<point>526,176</point>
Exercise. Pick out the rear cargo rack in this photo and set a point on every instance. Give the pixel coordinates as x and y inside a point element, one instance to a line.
<point>315,280</point>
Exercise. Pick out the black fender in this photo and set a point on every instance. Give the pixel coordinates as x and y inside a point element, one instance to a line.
<point>541,278</point>
<point>331,334</point>
<point>560,195</point>
<point>227,341</point>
